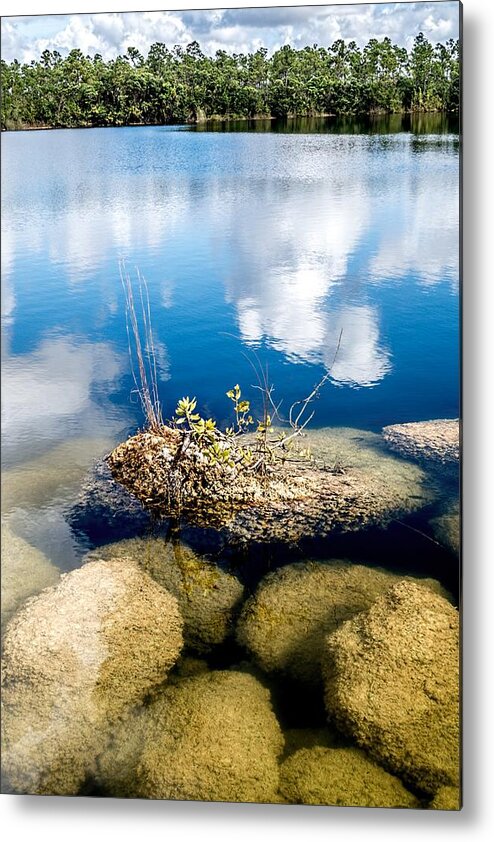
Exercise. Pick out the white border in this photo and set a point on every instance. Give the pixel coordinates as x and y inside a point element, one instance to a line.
<point>54,819</point>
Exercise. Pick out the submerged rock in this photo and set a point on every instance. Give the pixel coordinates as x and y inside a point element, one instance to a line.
<point>25,572</point>
<point>104,507</point>
<point>438,441</point>
<point>446,798</point>
<point>211,737</point>
<point>307,738</point>
<point>52,474</point>
<point>351,485</point>
<point>285,623</point>
<point>342,777</point>
<point>76,658</point>
<point>208,596</point>
<point>392,683</point>
<point>446,527</point>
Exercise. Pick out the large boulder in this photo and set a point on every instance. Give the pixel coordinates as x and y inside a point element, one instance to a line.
<point>211,737</point>
<point>350,484</point>
<point>76,658</point>
<point>25,572</point>
<point>208,596</point>
<point>343,777</point>
<point>437,441</point>
<point>392,683</point>
<point>285,623</point>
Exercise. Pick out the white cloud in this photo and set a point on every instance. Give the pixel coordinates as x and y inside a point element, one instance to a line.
<point>51,389</point>
<point>236,30</point>
<point>361,359</point>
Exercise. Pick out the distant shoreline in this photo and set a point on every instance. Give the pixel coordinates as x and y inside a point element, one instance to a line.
<point>258,118</point>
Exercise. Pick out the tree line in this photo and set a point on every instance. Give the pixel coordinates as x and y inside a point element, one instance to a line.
<point>184,85</point>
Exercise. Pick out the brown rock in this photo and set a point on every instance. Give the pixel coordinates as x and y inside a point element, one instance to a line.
<point>76,658</point>
<point>285,623</point>
<point>392,683</point>
<point>343,777</point>
<point>437,440</point>
<point>211,737</point>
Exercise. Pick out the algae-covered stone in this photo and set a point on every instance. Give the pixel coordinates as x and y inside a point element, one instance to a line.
<point>208,597</point>
<point>342,777</point>
<point>25,572</point>
<point>351,484</point>
<point>392,682</point>
<point>437,441</point>
<point>211,737</point>
<point>76,658</point>
<point>302,738</point>
<point>446,798</point>
<point>446,527</point>
<point>284,624</point>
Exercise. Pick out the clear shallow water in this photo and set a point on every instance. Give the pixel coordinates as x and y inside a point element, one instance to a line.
<point>265,242</point>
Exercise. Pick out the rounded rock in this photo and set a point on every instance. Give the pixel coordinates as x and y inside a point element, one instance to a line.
<point>211,737</point>
<point>208,596</point>
<point>76,658</point>
<point>392,683</point>
<point>285,623</point>
<point>25,572</point>
<point>342,777</point>
<point>446,798</point>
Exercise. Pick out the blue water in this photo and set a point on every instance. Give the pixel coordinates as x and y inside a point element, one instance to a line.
<point>253,245</point>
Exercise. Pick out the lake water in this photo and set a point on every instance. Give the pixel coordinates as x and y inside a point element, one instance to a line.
<point>255,244</point>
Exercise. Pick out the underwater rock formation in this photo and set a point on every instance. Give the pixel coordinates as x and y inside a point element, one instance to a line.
<point>25,572</point>
<point>437,440</point>
<point>207,595</point>
<point>211,737</point>
<point>446,798</point>
<point>446,527</point>
<point>343,777</point>
<point>285,623</point>
<point>52,474</point>
<point>104,507</point>
<point>307,738</point>
<point>351,484</point>
<point>392,683</point>
<point>76,657</point>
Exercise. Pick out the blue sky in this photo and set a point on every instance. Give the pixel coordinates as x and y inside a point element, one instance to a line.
<point>234,30</point>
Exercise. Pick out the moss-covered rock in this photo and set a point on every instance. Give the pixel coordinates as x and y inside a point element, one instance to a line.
<point>76,658</point>
<point>284,624</point>
<point>25,572</point>
<point>342,777</point>
<point>306,738</point>
<point>446,798</point>
<point>351,484</point>
<point>392,682</point>
<point>208,596</point>
<point>211,737</point>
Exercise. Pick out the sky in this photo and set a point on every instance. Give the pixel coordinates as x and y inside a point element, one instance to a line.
<point>234,30</point>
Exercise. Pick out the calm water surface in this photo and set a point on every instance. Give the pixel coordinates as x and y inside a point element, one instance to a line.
<point>262,242</point>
